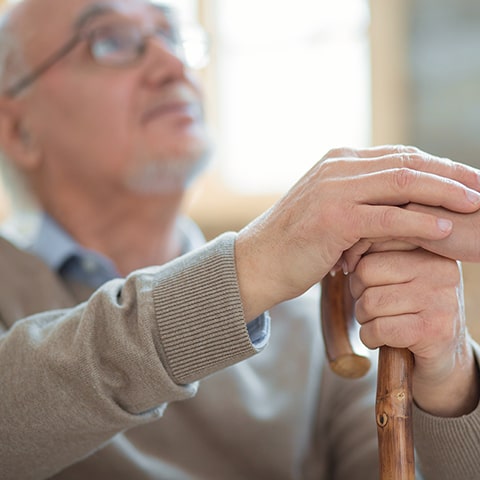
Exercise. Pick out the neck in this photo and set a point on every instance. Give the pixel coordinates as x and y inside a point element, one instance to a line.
<point>133,233</point>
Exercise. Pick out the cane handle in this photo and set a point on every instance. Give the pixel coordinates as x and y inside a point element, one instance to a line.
<point>340,331</point>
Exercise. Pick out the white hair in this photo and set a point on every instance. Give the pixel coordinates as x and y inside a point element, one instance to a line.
<point>13,65</point>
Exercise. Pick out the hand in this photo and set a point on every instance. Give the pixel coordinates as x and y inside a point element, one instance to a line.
<point>349,195</point>
<point>464,241</point>
<point>414,299</point>
<point>462,244</point>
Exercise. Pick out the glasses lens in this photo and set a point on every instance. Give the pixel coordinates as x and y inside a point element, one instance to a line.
<point>116,46</point>
<point>121,45</point>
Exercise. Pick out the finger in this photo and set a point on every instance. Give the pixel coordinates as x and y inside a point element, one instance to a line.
<point>399,156</point>
<point>387,301</point>
<point>391,245</point>
<point>352,256</point>
<point>426,332</point>
<point>463,244</point>
<point>399,331</point>
<point>385,221</point>
<point>413,271</point>
<point>401,186</point>
<point>371,152</point>
<point>443,167</point>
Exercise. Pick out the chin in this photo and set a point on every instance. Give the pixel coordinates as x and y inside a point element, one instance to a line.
<point>159,175</point>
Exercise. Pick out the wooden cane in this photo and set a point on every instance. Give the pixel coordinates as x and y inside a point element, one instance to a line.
<point>393,406</point>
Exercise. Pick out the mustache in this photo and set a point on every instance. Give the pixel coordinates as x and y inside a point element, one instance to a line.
<point>176,96</point>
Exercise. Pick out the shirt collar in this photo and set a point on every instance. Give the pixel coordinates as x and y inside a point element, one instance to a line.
<point>56,247</point>
<point>53,244</point>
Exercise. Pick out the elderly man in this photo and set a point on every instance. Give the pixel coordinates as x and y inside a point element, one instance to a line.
<point>111,369</point>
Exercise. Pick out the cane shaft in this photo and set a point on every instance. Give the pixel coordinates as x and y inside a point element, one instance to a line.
<point>394,414</point>
<point>394,383</point>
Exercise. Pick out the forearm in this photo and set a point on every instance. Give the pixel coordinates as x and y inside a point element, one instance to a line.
<point>71,379</point>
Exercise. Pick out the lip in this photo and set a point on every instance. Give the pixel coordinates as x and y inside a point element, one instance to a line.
<point>173,108</point>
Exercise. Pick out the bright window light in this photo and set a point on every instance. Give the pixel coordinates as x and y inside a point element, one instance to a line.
<point>293,81</point>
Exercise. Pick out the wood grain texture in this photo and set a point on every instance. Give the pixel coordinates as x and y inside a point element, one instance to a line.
<point>340,330</point>
<point>394,414</point>
<point>393,407</point>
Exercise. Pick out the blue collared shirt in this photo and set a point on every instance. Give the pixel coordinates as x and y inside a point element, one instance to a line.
<point>67,257</point>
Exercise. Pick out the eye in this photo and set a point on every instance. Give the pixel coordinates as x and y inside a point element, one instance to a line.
<point>167,34</point>
<point>115,46</point>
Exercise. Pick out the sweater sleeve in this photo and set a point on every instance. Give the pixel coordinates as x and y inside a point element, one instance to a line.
<point>71,379</point>
<point>447,448</point>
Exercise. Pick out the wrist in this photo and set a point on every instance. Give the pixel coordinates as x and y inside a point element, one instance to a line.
<point>256,289</point>
<point>453,395</point>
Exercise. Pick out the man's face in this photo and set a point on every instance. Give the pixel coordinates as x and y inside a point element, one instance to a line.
<point>138,126</point>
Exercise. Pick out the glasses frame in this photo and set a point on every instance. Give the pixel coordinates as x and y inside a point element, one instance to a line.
<point>64,50</point>
<point>28,79</point>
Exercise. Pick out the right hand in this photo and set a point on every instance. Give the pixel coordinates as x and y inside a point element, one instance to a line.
<point>347,196</point>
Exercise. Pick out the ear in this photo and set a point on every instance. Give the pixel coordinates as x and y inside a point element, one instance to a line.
<point>15,138</point>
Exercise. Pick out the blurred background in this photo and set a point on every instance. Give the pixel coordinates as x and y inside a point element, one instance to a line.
<point>287,81</point>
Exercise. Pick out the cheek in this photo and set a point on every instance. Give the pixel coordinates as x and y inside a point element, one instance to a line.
<point>82,125</point>
<point>85,99</point>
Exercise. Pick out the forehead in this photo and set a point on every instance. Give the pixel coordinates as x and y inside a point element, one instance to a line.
<point>33,19</point>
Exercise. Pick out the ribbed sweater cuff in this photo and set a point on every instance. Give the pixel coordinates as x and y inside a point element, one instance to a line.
<point>448,448</point>
<point>201,289</point>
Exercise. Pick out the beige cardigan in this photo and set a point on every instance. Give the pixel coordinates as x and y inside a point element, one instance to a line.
<point>154,377</point>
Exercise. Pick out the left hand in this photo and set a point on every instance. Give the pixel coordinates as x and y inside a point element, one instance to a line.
<point>414,299</point>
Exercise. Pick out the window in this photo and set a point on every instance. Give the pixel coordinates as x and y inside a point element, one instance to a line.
<point>292,81</point>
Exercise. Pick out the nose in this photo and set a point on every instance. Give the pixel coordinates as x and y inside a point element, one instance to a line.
<point>163,62</point>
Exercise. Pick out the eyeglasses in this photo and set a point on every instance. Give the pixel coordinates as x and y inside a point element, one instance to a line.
<point>121,45</point>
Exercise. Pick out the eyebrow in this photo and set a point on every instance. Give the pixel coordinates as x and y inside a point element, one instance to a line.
<point>92,12</point>
<point>100,9</point>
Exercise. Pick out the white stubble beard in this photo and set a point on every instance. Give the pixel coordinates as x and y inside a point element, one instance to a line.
<point>157,176</point>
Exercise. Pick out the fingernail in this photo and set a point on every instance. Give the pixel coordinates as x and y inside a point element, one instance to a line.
<point>473,196</point>
<point>345,268</point>
<point>332,272</point>
<point>444,225</point>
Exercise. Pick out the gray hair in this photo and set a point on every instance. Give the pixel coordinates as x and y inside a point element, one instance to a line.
<point>13,65</point>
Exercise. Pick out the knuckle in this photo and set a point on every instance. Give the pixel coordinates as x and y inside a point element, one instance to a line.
<point>360,312</point>
<point>407,155</point>
<point>338,152</point>
<point>405,149</point>
<point>366,304</point>
<point>361,271</point>
<point>412,149</point>
<point>368,335</point>
<point>403,177</point>
<point>333,153</point>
